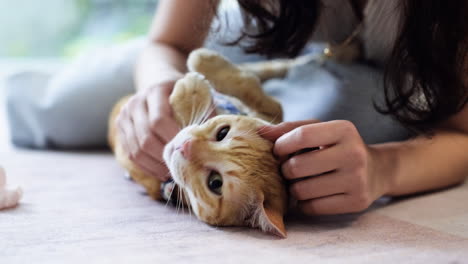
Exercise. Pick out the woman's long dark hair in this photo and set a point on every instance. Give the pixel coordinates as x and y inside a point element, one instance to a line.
<point>426,75</point>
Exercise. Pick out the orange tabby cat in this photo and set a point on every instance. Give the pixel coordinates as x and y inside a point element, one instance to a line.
<point>225,169</point>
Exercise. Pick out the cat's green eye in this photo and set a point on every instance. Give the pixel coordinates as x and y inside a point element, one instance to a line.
<point>215,182</point>
<point>222,133</point>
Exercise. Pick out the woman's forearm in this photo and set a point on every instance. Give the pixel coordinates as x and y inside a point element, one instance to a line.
<point>158,64</point>
<point>422,164</point>
<point>179,27</point>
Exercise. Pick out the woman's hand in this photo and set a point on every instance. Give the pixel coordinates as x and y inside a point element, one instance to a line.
<point>337,178</point>
<point>146,125</point>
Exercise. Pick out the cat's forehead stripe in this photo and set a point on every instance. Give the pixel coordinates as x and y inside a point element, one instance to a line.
<point>200,211</point>
<point>238,163</point>
<point>198,190</point>
<point>242,147</point>
<point>203,195</point>
<point>195,192</point>
<point>232,173</point>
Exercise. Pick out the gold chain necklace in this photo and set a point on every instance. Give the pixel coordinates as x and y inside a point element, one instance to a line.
<point>347,51</point>
<point>350,49</point>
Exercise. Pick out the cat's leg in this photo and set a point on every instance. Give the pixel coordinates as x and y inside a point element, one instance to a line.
<point>229,79</point>
<point>191,99</point>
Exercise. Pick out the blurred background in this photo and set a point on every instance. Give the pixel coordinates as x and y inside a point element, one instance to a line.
<point>56,55</point>
<point>39,37</point>
<point>65,28</point>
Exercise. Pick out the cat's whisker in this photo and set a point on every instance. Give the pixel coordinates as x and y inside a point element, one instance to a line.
<point>256,131</point>
<point>190,211</point>
<point>181,199</point>
<point>201,113</point>
<point>177,202</point>
<point>170,195</point>
<point>179,205</point>
<point>249,133</point>
<point>182,202</point>
<point>199,116</point>
<point>196,118</point>
<point>188,207</point>
<point>206,115</point>
<point>194,114</point>
<point>260,131</point>
<point>242,134</point>
<point>212,109</point>
<point>274,118</point>
<point>253,132</point>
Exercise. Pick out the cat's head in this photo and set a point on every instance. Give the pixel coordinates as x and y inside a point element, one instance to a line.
<point>229,173</point>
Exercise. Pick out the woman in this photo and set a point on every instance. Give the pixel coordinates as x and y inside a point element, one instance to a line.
<point>423,49</point>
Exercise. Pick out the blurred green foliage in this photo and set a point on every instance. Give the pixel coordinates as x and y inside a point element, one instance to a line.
<point>58,28</point>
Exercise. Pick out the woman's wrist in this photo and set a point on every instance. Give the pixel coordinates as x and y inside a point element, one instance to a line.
<point>384,168</point>
<point>159,65</point>
<point>165,85</point>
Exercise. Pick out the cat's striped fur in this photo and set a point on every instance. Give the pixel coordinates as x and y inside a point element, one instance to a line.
<point>252,193</point>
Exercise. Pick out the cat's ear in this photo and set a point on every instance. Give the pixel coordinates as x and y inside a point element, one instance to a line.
<point>272,221</point>
<point>269,218</point>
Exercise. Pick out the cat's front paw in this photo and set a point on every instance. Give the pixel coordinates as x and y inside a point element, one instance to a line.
<point>191,99</point>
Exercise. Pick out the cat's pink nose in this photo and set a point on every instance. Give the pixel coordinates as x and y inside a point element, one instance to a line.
<point>185,149</point>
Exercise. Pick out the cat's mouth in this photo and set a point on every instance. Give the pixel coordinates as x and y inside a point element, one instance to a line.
<point>171,151</point>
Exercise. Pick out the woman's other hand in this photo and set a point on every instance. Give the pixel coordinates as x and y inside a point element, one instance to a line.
<point>339,177</point>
